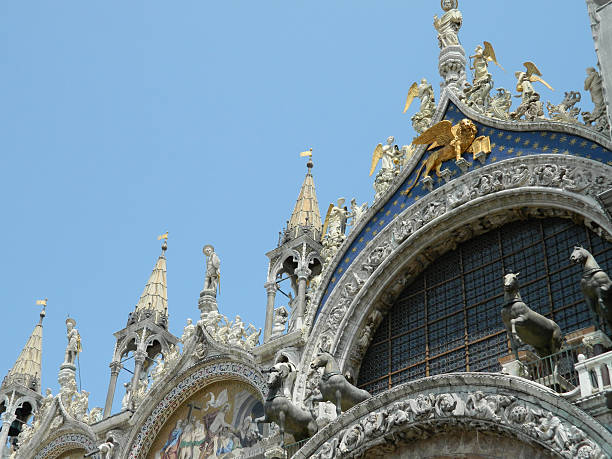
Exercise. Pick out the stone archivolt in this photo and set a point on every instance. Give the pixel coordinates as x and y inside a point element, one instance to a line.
<point>534,175</point>
<point>503,405</point>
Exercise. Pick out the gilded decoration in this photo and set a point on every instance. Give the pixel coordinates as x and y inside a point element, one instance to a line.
<point>523,141</point>
<point>217,421</point>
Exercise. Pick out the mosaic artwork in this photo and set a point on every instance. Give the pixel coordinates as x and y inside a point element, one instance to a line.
<point>216,422</point>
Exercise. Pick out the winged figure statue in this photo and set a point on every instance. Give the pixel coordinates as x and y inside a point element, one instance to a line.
<point>531,106</point>
<point>389,153</point>
<point>530,75</point>
<point>422,119</point>
<point>481,58</point>
<point>454,140</point>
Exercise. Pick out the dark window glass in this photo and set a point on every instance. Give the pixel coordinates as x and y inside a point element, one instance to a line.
<point>448,319</point>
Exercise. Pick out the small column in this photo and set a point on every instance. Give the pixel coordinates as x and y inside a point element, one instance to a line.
<point>139,358</point>
<point>7,420</point>
<point>302,274</point>
<point>207,302</point>
<point>271,289</point>
<point>115,369</point>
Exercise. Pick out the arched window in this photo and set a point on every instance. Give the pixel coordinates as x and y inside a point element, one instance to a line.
<point>449,318</point>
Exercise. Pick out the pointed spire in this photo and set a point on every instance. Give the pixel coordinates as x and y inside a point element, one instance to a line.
<point>306,211</point>
<point>27,368</point>
<point>154,298</point>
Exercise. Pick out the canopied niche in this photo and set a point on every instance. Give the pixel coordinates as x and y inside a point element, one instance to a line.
<point>215,421</point>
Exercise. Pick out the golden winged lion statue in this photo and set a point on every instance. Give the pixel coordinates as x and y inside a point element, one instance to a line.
<point>454,140</point>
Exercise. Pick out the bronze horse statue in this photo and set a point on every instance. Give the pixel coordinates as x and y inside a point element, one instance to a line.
<point>596,287</point>
<point>280,410</point>
<point>333,385</point>
<point>525,326</point>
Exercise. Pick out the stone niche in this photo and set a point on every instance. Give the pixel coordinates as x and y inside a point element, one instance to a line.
<point>463,445</point>
<point>214,422</point>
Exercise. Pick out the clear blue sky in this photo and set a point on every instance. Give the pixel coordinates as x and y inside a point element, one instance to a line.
<point>121,120</point>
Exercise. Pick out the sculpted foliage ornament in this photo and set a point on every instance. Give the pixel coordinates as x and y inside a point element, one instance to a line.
<point>565,111</point>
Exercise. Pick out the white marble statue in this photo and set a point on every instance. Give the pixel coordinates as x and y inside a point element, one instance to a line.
<point>252,340</point>
<point>125,401</point>
<point>213,273</point>
<point>172,357</point>
<point>188,331</point>
<point>80,404</point>
<point>106,449</point>
<point>449,24</point>
<point>281,315</point>
<point>159,370</point>
<point>236,332</point>
<point>210,321</point>
<point>357,212</point>
<point>597,118</point>
<point>95,415</point>
<point>74,342</point>
<point>336,219</point>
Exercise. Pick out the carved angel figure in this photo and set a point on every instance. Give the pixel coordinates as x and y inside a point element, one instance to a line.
<point>421,120</point>
<point>449,24</point>
<point>531,106</point>
<point>236,332</point>
<point>188,331</point>
<point>454,140</point>
<point>213,273</point>
<point>481,58</point>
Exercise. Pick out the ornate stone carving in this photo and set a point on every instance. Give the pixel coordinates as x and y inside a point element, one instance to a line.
<point>565,111</point>
<point>499,105</point>
<point>188,331</point>
<point>449,24</point>
<point>357,212</point>
<point>426,415</point>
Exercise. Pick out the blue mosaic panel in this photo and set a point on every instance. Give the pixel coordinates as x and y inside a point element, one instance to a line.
<point>504,145</point>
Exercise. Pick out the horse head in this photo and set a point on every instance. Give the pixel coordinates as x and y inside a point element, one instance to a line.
<point>511,282</point>
<point>320,360</point>
<point>579,255</point>
<point>274,378</point>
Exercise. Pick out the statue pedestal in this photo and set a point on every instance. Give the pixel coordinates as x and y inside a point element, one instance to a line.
<point>451,64</point>
<point>207,302</point>
<point>67,374</point>
<point>514,367</point>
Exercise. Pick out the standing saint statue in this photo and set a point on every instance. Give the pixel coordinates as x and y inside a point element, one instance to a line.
<point>74,342</point>
<point>213,274</point>
<point>449,24</point>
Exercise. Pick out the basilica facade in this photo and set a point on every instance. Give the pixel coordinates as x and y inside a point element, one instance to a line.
<point>466,312</point>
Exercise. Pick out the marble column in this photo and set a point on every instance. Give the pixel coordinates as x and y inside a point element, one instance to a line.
<point>271,289</point>
<point>139,358</point>
<point>115,369</point>
<point>7,419</point>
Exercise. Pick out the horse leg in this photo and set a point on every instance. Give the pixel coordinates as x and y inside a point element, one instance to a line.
<point>338,402</point>
<point>281,424</point>
<point>513,345</point>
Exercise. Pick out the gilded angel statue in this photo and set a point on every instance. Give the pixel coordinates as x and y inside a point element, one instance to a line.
<point>530,106</point>
<point>421,119</point>
<point>481,58</point>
